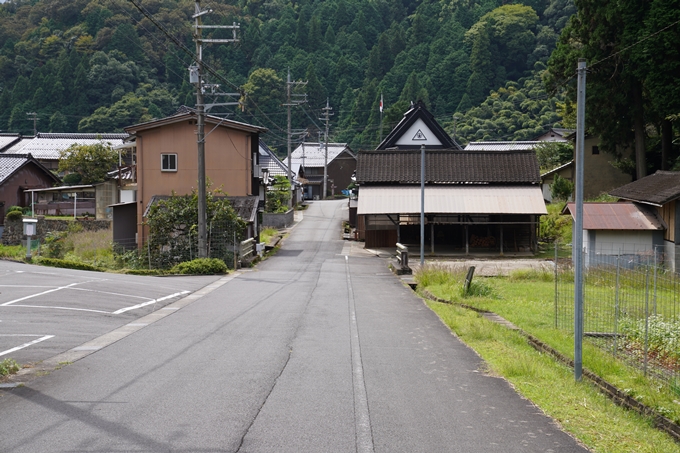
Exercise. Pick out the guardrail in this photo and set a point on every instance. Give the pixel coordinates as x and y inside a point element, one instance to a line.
<point>402,257</point>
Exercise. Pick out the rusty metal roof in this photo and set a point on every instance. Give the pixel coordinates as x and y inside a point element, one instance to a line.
<point>452,200</point>
<point>617,216</point>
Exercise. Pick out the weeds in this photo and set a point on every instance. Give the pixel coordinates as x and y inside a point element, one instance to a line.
<point>8,366</point>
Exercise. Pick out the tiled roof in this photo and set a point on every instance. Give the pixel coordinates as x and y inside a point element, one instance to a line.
<point>311,156</point>
<point>448,167</point>
<point>272,163</point>
<point>501,146</point>
<point>245,207</point>
<point>48,145</point>
<point>656,189</point>
<point>407,135</point>
<point>9,164</point>
<point>8,139</point>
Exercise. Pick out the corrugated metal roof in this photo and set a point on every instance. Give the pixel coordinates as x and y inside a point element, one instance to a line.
<point>657,189</point>
<point>617,216</point>
<point>452,200</point>
<point>501,146</point>
<point>448,167</point>
<point>48,146</point>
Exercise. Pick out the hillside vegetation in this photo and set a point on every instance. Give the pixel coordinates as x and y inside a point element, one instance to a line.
<point>97,66</point>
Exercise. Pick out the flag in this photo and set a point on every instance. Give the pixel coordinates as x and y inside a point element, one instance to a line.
<point>381,103</point>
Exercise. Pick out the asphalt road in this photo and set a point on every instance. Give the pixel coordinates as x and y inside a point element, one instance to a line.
<point>317,350</point>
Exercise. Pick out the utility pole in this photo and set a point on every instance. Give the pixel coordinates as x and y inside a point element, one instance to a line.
<point>33,116</point>
<point>326,118</point>
<point>290,101</point>
<point>577,240</point>
<point>197,78</point>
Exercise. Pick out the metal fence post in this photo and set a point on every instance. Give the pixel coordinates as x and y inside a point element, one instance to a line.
<point>556,292</point>
<point>646,351</point>
<point>616,302</point>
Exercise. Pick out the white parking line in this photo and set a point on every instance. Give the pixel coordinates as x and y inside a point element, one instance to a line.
<point>112,294</point>
<point>39,294</point>
<point>25,345</point>
<point>62,308</point>
<point>144,304</point>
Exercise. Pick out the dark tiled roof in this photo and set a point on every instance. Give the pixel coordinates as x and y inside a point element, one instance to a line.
<point>656,189</point>
<point>448,167</point>
<point>245,207</point>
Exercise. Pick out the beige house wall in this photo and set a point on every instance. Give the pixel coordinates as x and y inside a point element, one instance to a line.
<point>227,161</point>
<point>599,175</point>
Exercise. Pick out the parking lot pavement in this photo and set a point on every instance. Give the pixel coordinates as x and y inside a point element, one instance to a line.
<point>46,311</point>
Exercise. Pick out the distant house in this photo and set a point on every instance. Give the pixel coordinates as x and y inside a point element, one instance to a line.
<point>502,146</point>
<point>612,231</point>
<point>307,163</point>
<point>18,174</point>
<point>475,201</point>
<point>85,199</point>
<point>555,134</point>
<point>46,147</point>
<point>599,175</point>
<point>659,192</point>
<point>166,161</point>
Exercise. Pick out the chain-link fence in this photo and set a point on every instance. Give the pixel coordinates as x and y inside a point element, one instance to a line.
<point>630,306</point>
<point>163,253</point>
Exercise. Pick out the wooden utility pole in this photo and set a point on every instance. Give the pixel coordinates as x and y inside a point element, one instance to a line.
<point>326,118</point>
<point>291,100</point>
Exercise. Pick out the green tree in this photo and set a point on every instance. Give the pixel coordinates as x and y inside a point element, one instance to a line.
<point>173,228</point>
<point>92,162</point>
<point>553,154</point>
<point>265,91</point>
<point>561,189</point>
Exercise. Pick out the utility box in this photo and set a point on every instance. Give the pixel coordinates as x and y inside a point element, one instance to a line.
<point>30,229</point>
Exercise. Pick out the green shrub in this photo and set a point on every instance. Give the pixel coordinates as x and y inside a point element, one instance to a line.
<point>201,266</point>
<point>15,208</point>
<point>14,215</point>
<point>56,262</point>
<point>55,244</point>
<point>8,366</point>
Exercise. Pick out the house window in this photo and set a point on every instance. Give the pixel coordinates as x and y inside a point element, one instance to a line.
<point>168,162</point>
<point>596,150</point>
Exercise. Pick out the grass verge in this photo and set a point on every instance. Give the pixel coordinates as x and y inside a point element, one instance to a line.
<point>526,300</point>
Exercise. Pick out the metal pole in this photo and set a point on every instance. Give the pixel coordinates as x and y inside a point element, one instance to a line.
<point>578,222</point>
<point>200,140</point>
<point>290,178</point>
<point>325,158</point>
<point>75,204</point>
<point>422,204</point>
<point>556,289</point>
<point>616,303</point>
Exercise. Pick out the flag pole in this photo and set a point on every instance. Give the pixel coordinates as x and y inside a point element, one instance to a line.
<point>381,116</point>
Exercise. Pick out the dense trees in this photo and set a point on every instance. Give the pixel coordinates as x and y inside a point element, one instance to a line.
<point>99,66</point>
<point>633,83</point>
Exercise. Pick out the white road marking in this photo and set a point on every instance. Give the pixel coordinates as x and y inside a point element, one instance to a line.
<point>106,292</point>
<point>62,308</point>
<point>39,294</point>
<point>144,304</point>
<point>25,345</point>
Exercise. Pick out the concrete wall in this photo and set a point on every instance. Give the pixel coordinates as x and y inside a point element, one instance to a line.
<point>283,220</point>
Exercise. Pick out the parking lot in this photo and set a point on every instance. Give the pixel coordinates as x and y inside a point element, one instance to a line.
<point>45,311</point>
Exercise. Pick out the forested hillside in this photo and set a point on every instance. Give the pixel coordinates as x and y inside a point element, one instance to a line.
<point>97,66</point>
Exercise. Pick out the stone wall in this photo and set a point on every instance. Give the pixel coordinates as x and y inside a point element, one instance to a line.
<point>13,233</point>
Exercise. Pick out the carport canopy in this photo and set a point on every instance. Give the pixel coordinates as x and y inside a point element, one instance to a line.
<point>458,199</point>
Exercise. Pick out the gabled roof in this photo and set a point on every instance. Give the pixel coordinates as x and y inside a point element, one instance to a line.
<point>418,127</point>
<point>312,155</point>
<point>272,163</point>
<point>556,134</point>
<point>48,145</point>
<point>617,216</point>
<point>8,140</point>
<point>657,189</point>
<point>448,167</point>
<point>187,114</point>
<point>501,146</point>
<point>245,207</point>
<point>11,163</point>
